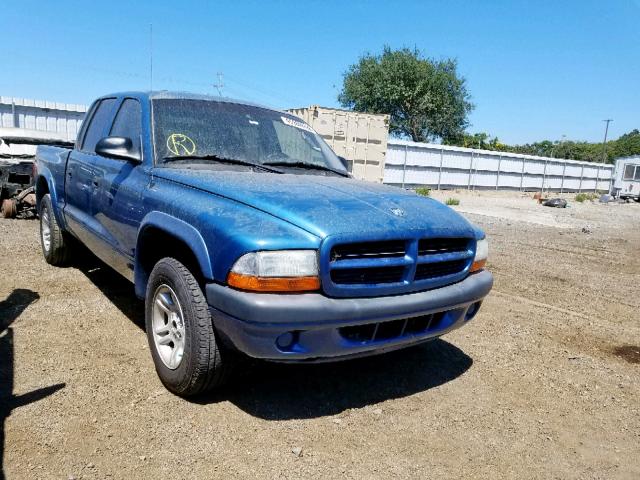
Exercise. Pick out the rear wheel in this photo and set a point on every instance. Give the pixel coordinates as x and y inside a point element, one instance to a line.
<point>55,247</point>
<point>187,355</point>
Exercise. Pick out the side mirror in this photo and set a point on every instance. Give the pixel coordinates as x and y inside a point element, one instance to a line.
<point>117,147</point>
<point>345,163</point>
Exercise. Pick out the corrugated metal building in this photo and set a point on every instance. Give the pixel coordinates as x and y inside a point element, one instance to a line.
<point>412,164</point>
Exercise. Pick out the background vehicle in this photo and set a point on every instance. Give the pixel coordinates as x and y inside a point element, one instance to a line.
<point>243,231</point>
<point>626,178</point>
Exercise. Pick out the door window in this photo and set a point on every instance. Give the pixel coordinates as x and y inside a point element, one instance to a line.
<point>95,130</point>
<point>127,122</point>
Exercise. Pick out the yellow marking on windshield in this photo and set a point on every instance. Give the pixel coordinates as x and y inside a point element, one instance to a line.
<point>180,144</point>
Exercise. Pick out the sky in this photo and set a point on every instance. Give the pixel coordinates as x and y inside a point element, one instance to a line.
<point>535,69</point>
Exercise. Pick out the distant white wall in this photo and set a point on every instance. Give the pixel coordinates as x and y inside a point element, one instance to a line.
<point>412,164</point>
<point>62,118</point>
<point>37,118</point>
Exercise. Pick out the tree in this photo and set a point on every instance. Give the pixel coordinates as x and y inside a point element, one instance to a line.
<point>625,146</point>
<point>426,98</point>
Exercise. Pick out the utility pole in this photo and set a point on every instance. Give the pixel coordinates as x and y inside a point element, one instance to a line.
<point>604,144</point>
<point>220,85</point>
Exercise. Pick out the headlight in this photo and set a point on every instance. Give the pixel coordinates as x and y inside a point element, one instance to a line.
<point>276,271</point>
<point>482,252</point>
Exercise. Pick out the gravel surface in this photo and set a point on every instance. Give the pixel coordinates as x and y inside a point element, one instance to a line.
<point>544,383</point>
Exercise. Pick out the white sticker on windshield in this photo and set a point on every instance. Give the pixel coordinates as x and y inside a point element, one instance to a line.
<point>297,124</point>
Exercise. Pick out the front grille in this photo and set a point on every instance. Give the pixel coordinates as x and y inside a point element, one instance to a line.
<point>372,276</point>
<point>394,329</point>
<point>440,269</point>
<point>395,266</point>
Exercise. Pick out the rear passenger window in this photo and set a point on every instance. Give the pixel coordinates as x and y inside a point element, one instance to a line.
<point>96,127</point>
<point>127,122</point>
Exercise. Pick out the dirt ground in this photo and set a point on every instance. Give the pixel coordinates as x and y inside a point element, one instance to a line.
<point>544,383</point>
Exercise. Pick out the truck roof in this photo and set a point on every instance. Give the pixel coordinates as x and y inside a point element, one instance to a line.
<point>169,94</point>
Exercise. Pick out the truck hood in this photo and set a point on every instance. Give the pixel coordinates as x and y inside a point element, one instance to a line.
<point>327,206</point>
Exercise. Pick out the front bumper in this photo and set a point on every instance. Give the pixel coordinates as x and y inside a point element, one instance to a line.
<point>310,326</point>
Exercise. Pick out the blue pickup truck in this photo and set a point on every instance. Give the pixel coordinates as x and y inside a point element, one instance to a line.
<point>243,232</point>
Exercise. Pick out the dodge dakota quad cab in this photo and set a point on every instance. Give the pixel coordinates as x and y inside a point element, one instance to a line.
<point>243,231</point>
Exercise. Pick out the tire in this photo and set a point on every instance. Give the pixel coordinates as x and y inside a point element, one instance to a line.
<point>9,208</point>
<point>55,246</point>
<point>177,319</point>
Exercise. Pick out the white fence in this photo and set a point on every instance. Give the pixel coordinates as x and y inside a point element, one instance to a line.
<point>411,164</point>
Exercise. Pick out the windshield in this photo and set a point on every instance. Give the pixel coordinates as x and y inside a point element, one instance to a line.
<point>209,130</point>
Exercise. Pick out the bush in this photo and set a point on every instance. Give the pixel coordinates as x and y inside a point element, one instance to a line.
<point>581,197</point>
<point>452,201</point>
<point>423,191</point>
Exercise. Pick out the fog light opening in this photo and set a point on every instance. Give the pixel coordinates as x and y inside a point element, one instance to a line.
<point>471,311</point>
<point>287,341</point>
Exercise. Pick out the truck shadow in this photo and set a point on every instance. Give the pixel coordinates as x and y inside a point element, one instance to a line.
<point>273,391</point>
<point>284,392</point>
<point>118,290</point>
<point>10,309</point>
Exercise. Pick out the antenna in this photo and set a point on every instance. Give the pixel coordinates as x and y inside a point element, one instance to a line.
<point>151,56</point>
<point>220,85</point>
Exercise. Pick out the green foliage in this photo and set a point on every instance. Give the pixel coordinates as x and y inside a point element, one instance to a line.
<point>627,145</point>
<point>452,201</point>
<point>426,99</point>
<point>581,197</point>
<point>423,191</point>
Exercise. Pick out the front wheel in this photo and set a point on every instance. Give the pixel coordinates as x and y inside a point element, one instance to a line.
<point>186,353</point>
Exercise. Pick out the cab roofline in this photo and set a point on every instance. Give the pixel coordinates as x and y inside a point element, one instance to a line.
<point>171,95</point>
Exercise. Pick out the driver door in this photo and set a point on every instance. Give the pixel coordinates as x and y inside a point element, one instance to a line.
<point>117,206</point>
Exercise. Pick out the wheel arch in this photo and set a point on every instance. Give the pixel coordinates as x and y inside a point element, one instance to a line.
<point>161,235</point>
<point>45,184</point>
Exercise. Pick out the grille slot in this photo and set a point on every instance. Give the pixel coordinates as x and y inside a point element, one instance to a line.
<point>351,251</point>
<point>431,246</point>
<point>375,275</point>
<point>393,329</point>
<point>440,269</point>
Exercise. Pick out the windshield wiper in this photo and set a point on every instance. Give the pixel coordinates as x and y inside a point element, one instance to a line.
<point>313,166</point>
<point>219,159</point>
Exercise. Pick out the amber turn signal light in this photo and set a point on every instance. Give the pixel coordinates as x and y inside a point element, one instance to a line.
<point>478,265</point>
<point>273,284</point>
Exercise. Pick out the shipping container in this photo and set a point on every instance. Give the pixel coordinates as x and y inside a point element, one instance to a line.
<point>361,138</point>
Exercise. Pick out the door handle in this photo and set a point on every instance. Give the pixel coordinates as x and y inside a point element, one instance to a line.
<point>95,182</point>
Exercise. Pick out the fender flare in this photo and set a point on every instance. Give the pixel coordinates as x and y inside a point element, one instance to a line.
<point>47,176</point>
<point>182,231</point>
